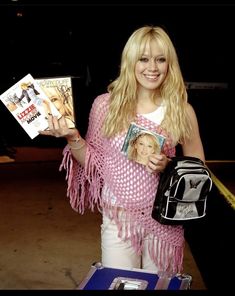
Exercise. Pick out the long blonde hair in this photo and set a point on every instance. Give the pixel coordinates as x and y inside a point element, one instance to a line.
<point>123,90</point>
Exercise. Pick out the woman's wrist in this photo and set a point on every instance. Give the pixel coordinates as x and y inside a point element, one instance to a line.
<point>76,142</point>
<point>78,147</point>
<point>75,137</point>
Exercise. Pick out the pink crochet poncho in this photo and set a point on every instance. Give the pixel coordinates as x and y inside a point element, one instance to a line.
<point>130,187</point>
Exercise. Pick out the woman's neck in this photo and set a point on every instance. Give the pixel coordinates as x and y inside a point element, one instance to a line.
<point>146,104</point>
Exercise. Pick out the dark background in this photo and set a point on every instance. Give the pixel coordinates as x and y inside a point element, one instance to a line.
<point>84,39</point>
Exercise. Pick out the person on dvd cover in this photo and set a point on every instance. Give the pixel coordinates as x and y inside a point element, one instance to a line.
<point>32,95</point>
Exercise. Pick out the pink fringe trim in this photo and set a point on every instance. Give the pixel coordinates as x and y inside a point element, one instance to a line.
<point>167,257</point>
<point>84,184</point>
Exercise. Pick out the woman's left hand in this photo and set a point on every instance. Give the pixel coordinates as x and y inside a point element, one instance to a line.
<point>157,163</point>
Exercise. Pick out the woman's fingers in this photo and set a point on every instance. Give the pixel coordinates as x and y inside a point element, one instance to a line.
<point>56,127</point>
<point>156,163</point>
<point>50,122</point>
<point>46,133</point>
<point>63,123</point>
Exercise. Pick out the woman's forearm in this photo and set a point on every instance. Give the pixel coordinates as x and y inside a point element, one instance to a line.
<point>78,148</point>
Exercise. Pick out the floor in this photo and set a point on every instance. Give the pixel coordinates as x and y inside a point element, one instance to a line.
<point>44,243</point>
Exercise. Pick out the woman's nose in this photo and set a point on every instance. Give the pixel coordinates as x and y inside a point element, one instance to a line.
<point>153,65</point>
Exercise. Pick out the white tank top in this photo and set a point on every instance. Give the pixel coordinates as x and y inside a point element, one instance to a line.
<point>157,115</point>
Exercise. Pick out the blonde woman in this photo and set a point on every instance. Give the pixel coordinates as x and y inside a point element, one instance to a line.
<point>149,91</point>
<point>64,108</point>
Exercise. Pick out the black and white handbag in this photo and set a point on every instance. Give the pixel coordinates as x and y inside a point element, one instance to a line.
<point>182,191</point>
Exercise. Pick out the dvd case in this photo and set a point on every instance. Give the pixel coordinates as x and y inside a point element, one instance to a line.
<point>59,91</point>
<point>29,105</point>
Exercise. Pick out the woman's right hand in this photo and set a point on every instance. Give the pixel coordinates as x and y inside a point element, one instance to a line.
<point>59,128</point>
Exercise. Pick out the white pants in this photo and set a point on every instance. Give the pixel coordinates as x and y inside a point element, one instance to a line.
<point>117,253</point>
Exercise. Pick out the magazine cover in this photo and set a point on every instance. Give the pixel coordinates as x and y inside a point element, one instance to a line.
<point>30,106</point>
<point>140,143</point>
<point>59,91</point>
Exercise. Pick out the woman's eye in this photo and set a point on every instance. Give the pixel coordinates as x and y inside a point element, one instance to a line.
<point>144,60</point>
<point>161,60</point>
